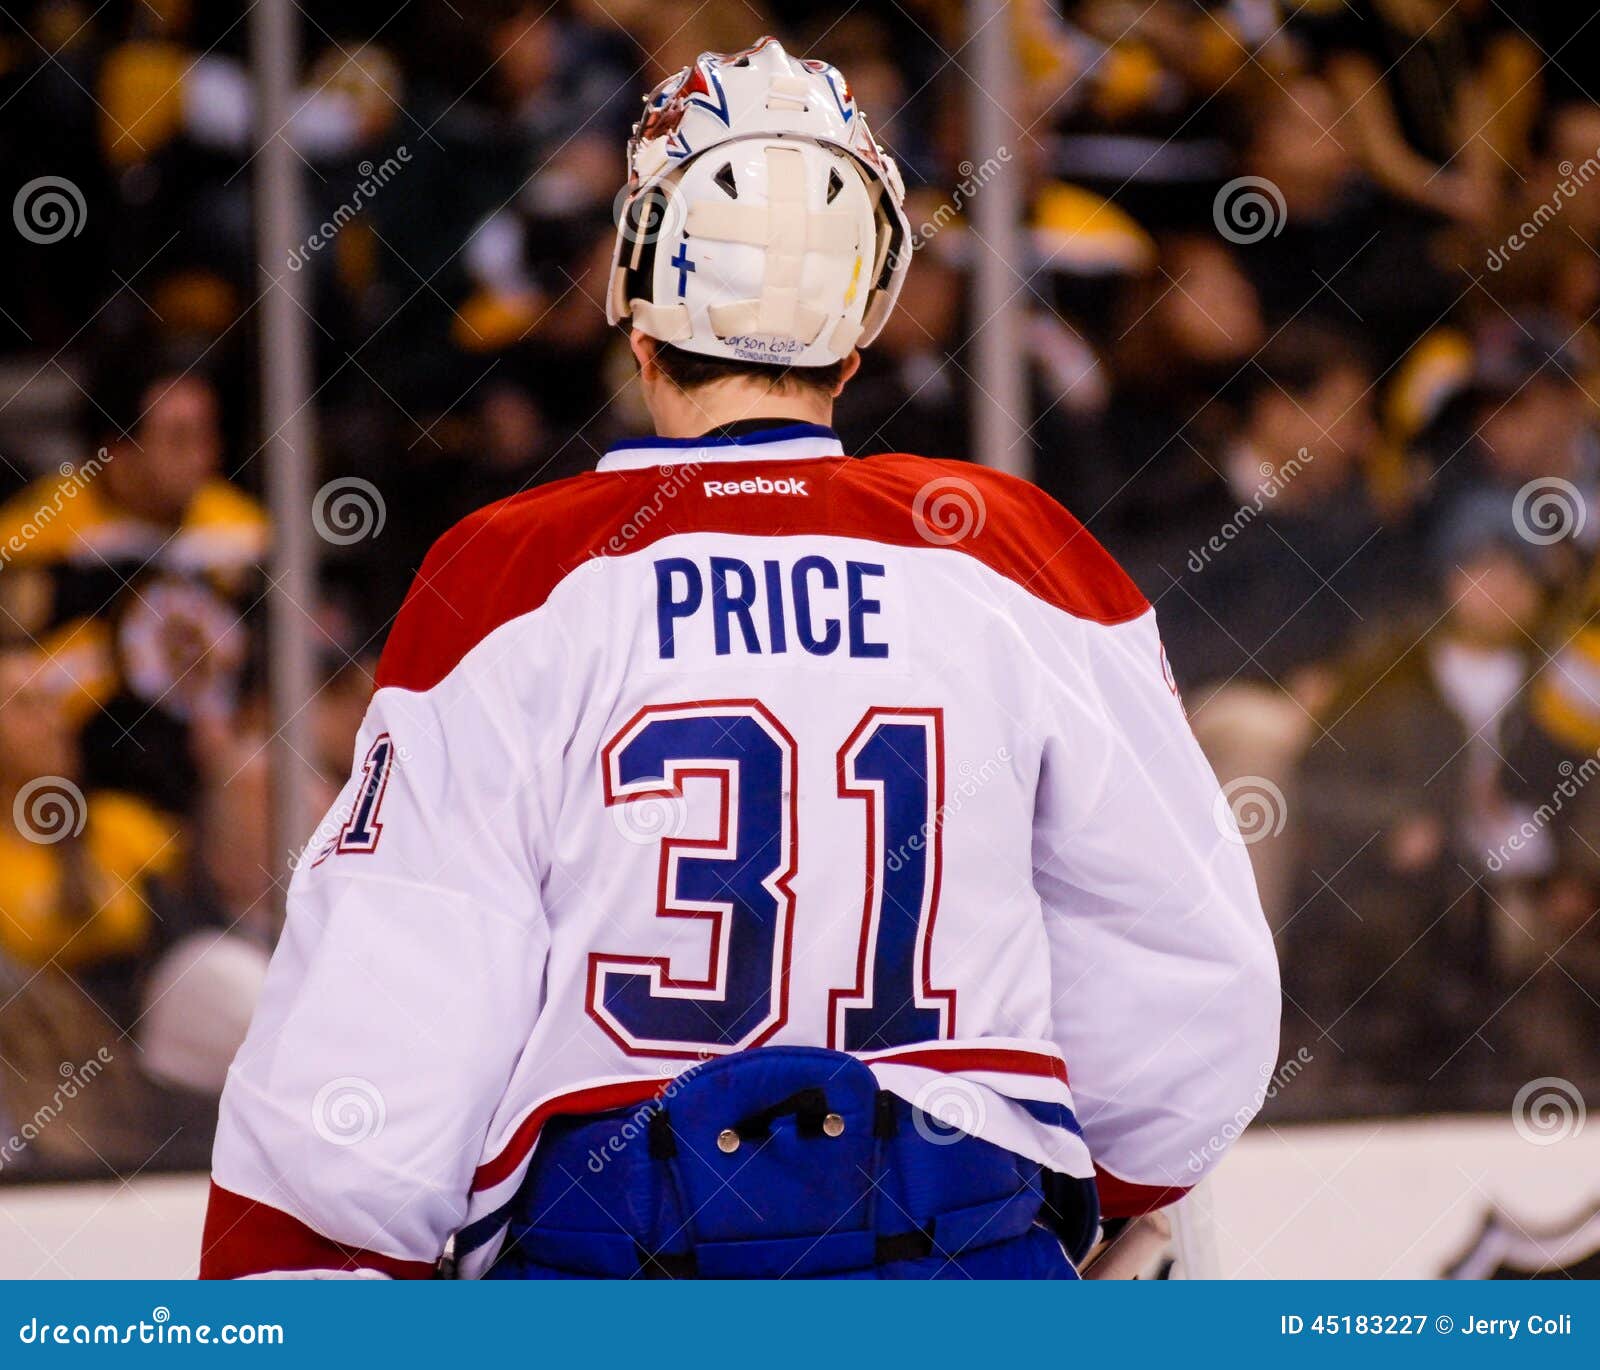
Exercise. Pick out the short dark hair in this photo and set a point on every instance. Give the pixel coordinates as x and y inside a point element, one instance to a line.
<point>124,390</point>
<point>686,370</point>
<point>1304,354</point>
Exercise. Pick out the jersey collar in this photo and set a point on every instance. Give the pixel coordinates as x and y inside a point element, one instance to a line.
<point>786,442</point>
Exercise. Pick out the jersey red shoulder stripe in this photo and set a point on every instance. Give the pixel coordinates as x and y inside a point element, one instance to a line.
<point>1006,1060</point>
<point>595,1099</point>
<point>1121,1198</point>
<point>506,560</point>
<point>244,1237</point>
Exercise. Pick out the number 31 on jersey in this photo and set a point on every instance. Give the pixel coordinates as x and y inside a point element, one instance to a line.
<point>738,881</point>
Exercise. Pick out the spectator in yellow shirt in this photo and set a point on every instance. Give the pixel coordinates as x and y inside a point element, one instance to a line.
<point>73,866</point>
<point>148,561</point>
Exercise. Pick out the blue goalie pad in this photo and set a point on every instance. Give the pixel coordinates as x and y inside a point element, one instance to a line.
<point>781,1162</point>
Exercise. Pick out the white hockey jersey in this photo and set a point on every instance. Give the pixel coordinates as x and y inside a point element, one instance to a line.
<point>736,742</point>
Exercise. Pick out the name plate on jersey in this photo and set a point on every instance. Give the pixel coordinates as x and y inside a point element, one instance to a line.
<point>782,610</point>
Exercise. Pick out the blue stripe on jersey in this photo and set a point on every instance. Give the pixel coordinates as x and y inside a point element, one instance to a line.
<point>784,433</point>
<point>1052,1115</point>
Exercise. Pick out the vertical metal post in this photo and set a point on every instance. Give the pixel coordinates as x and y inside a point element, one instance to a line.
<point>1000,406</point>
<point>287,428</point>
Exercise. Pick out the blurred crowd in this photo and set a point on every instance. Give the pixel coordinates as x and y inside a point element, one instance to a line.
<point>1309,292</point>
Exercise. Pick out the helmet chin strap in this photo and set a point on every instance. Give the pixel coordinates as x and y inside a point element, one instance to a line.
<point>667,323</point>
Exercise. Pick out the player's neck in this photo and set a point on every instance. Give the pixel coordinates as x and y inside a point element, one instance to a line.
<point>688,414</point>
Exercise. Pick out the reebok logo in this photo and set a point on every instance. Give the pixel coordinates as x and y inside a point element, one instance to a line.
<point>760,485</point>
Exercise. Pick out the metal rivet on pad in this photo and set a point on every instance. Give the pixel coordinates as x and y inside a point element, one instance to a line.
<point>727,1141</point>
<point>833,1125</point>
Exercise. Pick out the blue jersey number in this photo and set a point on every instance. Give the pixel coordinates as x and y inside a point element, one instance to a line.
<point>895,762</point>
<point>363,830</point>
<point>738,881</point>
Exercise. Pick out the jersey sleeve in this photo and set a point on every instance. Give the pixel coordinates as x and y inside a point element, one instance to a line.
<point>407,981</point>
<point>1164,980</point>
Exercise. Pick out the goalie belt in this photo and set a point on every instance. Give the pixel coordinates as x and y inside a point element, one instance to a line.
<point>783,1162</point>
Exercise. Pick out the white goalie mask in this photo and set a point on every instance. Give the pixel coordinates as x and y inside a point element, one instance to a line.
<point>761,221</point>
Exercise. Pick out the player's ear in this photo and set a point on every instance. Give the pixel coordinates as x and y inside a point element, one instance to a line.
<point>848,367</point>
<point>644,352</point>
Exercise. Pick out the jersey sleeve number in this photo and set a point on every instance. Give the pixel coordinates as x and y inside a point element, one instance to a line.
<point>738,881</point>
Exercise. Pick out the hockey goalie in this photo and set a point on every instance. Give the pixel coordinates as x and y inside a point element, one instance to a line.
<point>759,861</point>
